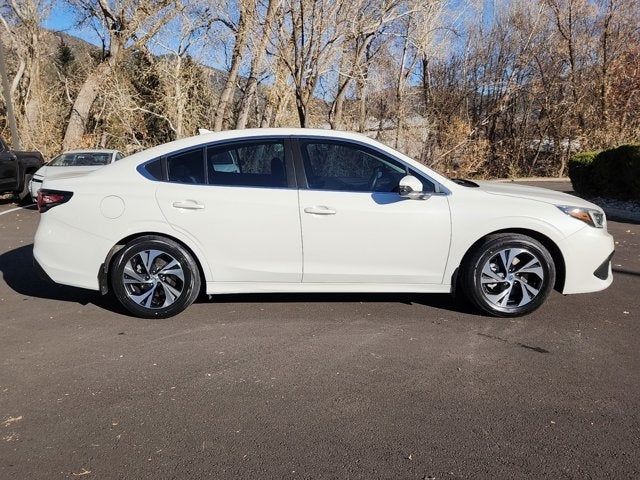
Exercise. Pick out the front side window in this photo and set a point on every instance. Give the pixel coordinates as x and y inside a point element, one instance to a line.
<point>259,164</point>
<point>345,167</point>
<point>186,167</point>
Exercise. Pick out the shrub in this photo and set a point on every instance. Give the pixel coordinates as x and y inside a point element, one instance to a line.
<point>613,173</point>
<point>580,172</point>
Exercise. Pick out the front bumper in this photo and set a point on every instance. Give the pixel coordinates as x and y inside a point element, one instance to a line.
<point>587,256</point>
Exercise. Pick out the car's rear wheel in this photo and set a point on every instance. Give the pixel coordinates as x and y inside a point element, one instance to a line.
<point>508,275</point>
<point>155,277</point>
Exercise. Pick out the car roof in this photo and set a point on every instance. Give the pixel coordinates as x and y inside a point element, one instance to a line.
<point>248,133</point>
<point>132,161</point>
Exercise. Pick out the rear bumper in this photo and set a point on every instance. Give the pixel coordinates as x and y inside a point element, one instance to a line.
<point>587,255</point>
<point>68,255</point>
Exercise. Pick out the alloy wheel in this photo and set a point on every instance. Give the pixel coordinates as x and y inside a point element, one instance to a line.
<point>512,278</point>
<point>153,279</point>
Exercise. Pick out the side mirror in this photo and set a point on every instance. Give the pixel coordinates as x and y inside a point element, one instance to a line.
<point>411,187</point>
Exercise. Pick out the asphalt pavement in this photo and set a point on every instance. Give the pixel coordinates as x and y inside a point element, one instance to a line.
<point>316,386</point>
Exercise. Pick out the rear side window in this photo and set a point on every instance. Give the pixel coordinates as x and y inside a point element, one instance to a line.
<point>259,164</point>
<point>186,167</point>
<point>152,170</point>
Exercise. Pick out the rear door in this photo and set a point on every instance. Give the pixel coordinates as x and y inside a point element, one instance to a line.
<point>239,202</point>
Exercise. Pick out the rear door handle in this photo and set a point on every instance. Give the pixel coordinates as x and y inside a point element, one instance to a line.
<point>319,210</point>
<point>188,205</point>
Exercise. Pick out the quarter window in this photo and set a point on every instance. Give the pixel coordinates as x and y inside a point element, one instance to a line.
<point>248,165</point>
<point>186,167</point>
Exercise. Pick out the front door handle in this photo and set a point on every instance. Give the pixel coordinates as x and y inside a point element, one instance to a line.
<point>188,205</point>
<point>319,210</point>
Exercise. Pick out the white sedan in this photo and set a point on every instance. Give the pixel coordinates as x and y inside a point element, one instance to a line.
<point>291,210</point>
<point>71,163</point>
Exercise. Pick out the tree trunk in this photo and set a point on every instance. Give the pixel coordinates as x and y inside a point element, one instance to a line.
<point>82,105</point>
<point>236,61</point>
<point>256,65</point>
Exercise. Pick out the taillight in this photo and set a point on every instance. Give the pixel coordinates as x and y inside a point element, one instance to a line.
<point>50,198</point>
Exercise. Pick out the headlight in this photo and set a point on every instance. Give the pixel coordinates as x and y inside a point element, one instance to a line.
<point>590,216</point>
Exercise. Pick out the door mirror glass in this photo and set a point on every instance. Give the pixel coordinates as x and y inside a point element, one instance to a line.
<point>411,187</point>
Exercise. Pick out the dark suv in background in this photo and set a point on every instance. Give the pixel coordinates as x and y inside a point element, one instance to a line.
<point>16,170</point>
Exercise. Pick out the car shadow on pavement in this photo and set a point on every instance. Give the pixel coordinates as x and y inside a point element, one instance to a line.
<point>435,300</point>
<point>22,277</point>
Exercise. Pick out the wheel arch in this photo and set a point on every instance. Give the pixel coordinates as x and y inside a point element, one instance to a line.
<point>105,268</point>
<point>549,244</point>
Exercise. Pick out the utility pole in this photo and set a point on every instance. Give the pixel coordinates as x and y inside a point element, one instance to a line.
<point>15,139</point>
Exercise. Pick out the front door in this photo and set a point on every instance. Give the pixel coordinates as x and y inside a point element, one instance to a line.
<point>240,203</point>
<point>357,229</point>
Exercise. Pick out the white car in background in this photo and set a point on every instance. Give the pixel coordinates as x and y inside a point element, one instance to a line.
<point>72,162</point>
<point>297,210</point>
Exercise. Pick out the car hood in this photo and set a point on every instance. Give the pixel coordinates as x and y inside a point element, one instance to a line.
<point>534,193</point>
<point>64,172</point>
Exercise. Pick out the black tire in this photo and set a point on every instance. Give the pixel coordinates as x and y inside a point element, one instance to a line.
<point>155,304</point>
<point>24,197</point>
<point>485,295</point>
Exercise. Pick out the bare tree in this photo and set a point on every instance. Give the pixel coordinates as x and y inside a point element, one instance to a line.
<point>242,32</point>
<point>124,25</point>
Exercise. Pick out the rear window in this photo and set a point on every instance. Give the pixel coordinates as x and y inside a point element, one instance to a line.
<point>84,159</point>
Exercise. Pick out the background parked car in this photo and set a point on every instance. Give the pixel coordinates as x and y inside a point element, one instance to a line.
<point>16,170</point>
<point>74,161</point>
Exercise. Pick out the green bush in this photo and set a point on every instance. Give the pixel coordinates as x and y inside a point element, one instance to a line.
<point>617,172</point>
<point>613,173</point>
<point>580,172</point>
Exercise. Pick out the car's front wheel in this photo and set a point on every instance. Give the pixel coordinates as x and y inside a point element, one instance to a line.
<point>508,275</point>
<point>155,277</point>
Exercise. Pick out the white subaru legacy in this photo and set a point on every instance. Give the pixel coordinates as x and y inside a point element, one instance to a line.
<point>292,210</point>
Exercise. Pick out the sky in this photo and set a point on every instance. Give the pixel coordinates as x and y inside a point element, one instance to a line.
<point>62,19</point>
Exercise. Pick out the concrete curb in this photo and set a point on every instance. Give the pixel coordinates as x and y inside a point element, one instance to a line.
<point>618,214</point>
<point>532,179</point>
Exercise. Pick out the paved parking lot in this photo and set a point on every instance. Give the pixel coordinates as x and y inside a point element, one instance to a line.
<point>316,386</point>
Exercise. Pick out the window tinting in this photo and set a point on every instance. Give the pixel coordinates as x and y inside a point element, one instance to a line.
<point>186,167</point>
<point>345,167</point>
<point>335,166</point>
<point>248,164</point>
<point>154,169</point>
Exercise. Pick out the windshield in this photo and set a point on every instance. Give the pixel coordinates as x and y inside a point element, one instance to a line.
<point>83,159</point>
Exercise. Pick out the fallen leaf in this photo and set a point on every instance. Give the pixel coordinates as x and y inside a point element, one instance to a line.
<point>11,420</point>
<point>80,474</point>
